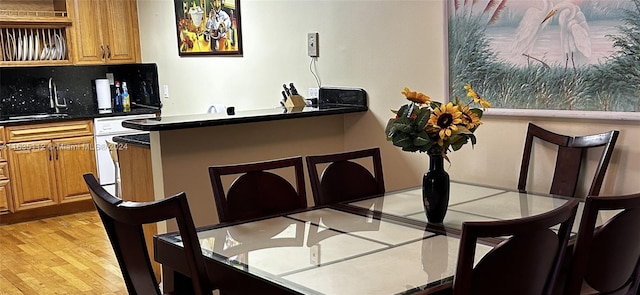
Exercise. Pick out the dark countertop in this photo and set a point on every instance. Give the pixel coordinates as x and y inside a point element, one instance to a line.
<point>6,121</point>
<point>240,117</point>
<point>135,139</point>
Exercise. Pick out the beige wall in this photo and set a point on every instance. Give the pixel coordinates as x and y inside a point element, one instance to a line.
<point>380,46</point>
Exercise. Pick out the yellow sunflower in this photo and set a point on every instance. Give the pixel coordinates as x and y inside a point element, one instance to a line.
<point>469,118</point>
<point>476,98</point>
<point>416,97</point>
<point>444,120</point>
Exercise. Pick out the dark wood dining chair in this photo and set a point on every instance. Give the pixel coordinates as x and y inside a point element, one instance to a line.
<point>343,179</point>
<point>606,258</point>
<point>527,262</point>
<point>123,222</point>
<point>571,150</point>
<point>258,191</point>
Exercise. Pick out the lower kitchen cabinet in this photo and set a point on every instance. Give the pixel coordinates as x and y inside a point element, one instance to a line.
<point>50,172</point>
<point>33,173</point>
<point>46,163</point>
<point>74,157</point>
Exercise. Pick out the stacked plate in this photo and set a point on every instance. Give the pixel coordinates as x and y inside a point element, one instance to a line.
<point>32,44</point>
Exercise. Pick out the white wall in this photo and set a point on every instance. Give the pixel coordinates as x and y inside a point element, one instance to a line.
<point>380,46</point>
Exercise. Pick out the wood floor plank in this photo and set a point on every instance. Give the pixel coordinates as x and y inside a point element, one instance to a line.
<point>68,254</point>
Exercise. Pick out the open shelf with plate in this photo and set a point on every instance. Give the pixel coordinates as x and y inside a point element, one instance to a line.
<point>33,45</point>
<point>34,32</point>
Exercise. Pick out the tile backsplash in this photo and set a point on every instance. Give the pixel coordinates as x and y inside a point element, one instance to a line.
<point>25,90</point>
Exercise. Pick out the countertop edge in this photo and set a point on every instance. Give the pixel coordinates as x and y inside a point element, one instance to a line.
<point>141,140</point>
<point>73,118</point>
<point>143,125</point>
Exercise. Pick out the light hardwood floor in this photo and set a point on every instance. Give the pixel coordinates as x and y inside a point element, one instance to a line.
<point>61,255</point>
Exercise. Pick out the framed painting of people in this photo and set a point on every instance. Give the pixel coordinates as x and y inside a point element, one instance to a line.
<point>565,58</point>
<point>208,27</point>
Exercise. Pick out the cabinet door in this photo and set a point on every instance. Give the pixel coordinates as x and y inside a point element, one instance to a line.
<point>88,24</point>
<point>106,31</point>
<point>73,158</point>
<point>121,31</point>
<point>32,176</point>
<point>5,196</point>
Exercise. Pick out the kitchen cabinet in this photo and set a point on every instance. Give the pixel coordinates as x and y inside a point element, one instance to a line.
<point>34,32</point>
<point>105,31</point>
<point>47,162</point>
<point>5,188</point>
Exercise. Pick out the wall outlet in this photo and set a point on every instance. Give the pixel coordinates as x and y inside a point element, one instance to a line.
<point>111,79</point>
<point>313,92</point>
<point>312,44</point>
<point>165,91</point>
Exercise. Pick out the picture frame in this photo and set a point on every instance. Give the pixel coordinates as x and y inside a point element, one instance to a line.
<point>208,27</point>
<point>487,48</point>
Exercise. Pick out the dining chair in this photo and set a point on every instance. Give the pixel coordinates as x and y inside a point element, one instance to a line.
<point>527,261</point>
<point>343,179</point>
<point>571,150</point>
<point>123,222</point>
<point>606,258</point>
<point>258,191</point>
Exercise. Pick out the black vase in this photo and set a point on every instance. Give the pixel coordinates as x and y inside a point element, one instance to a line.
<point>435,189</point>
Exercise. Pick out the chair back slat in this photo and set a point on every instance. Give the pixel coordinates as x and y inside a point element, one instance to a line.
<point>258,192</point>
<point>567,171</point>
<point>607,257</point>
<point>343,179</point>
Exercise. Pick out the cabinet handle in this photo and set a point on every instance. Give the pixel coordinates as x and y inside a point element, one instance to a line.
<point>108,52</point>
<point>102,50</point>
<point>55,150</point>
<point>50,153</point>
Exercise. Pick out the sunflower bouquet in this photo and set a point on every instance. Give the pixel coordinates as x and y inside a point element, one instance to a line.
<point>433,127</point>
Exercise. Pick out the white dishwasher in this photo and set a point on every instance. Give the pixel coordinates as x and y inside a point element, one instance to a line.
<point>105,129</point>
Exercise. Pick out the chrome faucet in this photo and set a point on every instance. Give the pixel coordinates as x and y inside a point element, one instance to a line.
<point>53,97</point>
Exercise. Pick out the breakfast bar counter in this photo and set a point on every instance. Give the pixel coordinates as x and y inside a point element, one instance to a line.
<point>183,147</point>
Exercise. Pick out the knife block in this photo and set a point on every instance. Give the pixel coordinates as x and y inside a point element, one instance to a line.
<point>295,101</point>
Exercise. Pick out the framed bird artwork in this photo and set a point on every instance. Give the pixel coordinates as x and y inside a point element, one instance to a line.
<point>565,58</point>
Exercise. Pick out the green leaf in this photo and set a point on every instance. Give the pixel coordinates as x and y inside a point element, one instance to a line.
<point>402,112</point>
<point>473,139</point>
<point>402,140</point>
<point>457,142</point>
<point>422,139</point>
<point>404,124</point>
<point>478,112</point>
<point>423,117</point>
<point>390,129</point>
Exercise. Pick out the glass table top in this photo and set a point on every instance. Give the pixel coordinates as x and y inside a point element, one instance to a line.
<point>373,251</point>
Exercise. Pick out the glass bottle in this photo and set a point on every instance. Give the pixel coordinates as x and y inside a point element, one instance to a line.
<point>126,99</point>
<point>117,101</point>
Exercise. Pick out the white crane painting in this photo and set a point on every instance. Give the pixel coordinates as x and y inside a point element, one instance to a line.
<point>548,54</point>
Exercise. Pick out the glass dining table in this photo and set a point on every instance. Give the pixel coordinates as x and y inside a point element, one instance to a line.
<point>379,245</point>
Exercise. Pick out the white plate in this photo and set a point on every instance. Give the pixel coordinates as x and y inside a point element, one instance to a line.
<point>25,47</point>
<point>56,45</point>
<point>60,47</point>
<point>36,47</point>
<point>30,46</point>
<point>11,47</point>
<point>64,48</point>
<point>19,52</point>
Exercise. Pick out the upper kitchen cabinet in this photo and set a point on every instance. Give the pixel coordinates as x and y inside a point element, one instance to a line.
<point>105,31</point>
<point>34,32</point>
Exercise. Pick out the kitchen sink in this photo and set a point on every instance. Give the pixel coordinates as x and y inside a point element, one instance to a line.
<point>38,117</point>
